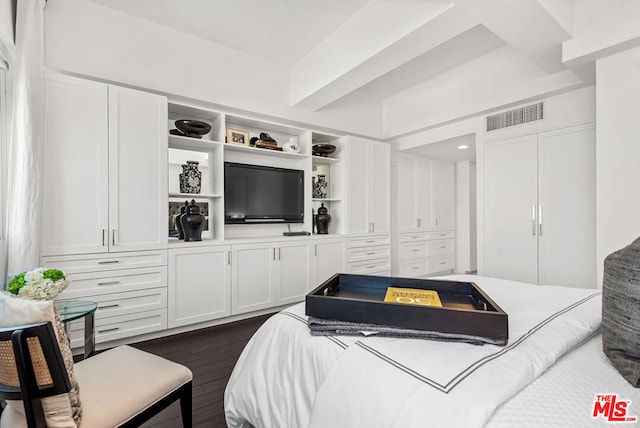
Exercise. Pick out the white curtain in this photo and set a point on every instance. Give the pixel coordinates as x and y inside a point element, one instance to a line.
<point>26,141</point>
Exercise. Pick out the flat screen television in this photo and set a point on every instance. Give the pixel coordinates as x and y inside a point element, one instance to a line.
<point>262,194</point>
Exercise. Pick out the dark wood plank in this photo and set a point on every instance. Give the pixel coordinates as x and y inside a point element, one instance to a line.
<point>211,354</point>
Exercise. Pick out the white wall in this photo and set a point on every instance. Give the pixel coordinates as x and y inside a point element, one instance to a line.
<point>466,242</point>
<point>88,39</point>
<point>617,153</point>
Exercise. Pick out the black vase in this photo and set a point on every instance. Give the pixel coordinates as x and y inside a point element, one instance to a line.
<point>322,220</point>
<point>192,223</point>
<point>183,211</point>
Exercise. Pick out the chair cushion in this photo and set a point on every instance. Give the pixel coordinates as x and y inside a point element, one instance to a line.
<point>621,311</point>
<point>120,383</point>
<point>63,410</point>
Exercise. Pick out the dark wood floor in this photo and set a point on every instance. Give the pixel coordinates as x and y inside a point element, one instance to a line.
<point>211,354</point>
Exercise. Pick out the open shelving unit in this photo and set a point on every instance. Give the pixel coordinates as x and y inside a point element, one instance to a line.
<point>212,150</point>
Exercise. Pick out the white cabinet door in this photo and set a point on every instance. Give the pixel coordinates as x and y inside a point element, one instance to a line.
<point>252,285</point>
<point>510,198</point>
<point>567,239</point>
<point>443,204</point>
<point>137,170</point>
<point>378,190</point>
<point>423,191</point>
<point>369,171</point>
<point>199,285</point>
<point>292,272</point>
<point>75,170</point>
<point>358,221</point>
<point>414,192</point>
<point>328,259</point>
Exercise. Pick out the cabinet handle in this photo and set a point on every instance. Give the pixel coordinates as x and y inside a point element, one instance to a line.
<point>113,237</point>
<point>114,305</point>
<point>109,282</point>
<point>107,330</point>
<point>108,262</point>
<point>315,249</point>
<point>104,241</point>
<point>436,221</point>
<point>373,227</point>
<point>274,253</point>
<point>443,246</point>
<point>371,266</point>
<point>533,219</point>
<point>540,220</point>
<point>415,267</point>
<point>418,222</point>
<point>370,253</point>
<point>279,258</point>
<point>415,250</point>
<point>371,241</point>
<point>443,263</point>
<point>229,257</point>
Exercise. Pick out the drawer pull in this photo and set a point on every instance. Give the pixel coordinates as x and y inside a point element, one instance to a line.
<point>371,241</point>
<point>443,246</point>
<point>371,266</point>
<point>415,250</point>
<point>107,330</point>
<point>443,263</point>
<point>114,305</point>
<point>416,267</point>
<point>414,237</point>
<point>370,253</point>
<point>109,282</point>
<point>108,262</point>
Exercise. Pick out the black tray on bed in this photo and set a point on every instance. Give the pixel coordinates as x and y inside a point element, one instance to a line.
<point>466,309</point>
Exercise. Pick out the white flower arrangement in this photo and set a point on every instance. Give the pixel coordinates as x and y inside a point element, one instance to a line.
<point>39,284</point>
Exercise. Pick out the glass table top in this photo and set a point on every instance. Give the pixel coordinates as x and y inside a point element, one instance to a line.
<point>70,310</point>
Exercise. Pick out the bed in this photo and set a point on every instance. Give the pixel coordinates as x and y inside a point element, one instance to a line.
<point>549,373</point>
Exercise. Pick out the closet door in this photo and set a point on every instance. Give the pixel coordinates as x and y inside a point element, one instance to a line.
<point>510,204</point>
<point>567,241</point>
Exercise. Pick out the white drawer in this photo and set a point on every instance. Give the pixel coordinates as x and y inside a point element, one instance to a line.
<point>113,328</point>
<point>412,251</point>
<point>436,248</point>
<point>368,241</point>
<point>130,302</point>
<point>414,236</point>
<point>85,285</point>
<point>370,267</point>
<point>413,268</point>
<point>440,235</point>
<point>104,262</point>
<point>367,253</point>
<point>440,264</point>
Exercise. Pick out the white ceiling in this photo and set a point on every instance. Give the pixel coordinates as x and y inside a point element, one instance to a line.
<point>342,49</point>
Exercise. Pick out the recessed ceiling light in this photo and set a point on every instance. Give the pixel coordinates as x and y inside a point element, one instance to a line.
<point>462,147</point>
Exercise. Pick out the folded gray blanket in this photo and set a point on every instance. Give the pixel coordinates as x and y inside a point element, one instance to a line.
<point>325,327</point>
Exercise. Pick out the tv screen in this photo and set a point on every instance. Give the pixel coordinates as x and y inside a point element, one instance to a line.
<point>262,194</point>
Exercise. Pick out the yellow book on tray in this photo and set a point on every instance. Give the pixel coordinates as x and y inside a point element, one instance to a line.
<point>413,296</point>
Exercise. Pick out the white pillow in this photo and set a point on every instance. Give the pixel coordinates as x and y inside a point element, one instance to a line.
<point>62,410</point>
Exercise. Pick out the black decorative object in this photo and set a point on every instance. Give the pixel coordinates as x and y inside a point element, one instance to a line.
<point>191,128</point>
<point>322,149</point>
<point>192,223</point>
<point>190,178</point>
<point>266,137</point>
<point>313,221</point>
<point>183,211</point>
<point>322,220</point>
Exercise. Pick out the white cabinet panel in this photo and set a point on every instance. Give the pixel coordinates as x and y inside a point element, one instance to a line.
<point>539,208</point>
<point>443,195</point>
<point>199,285</point>
<point>105,175</point>
<point>369,180</point>
<point>414,187</point>
<point>252,285</point>
<point>75,172</point>
<point>328,259</point>
<point>137,170</point>
<point>292,272</point>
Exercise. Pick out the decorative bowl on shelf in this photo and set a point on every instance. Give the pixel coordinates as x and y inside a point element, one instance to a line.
<point>193,128</point>
<point>322,149</point>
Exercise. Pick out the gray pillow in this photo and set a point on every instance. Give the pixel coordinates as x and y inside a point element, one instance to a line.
<point>621,311</point>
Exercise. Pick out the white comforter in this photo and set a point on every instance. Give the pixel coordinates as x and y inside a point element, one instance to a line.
<point>287,378</point>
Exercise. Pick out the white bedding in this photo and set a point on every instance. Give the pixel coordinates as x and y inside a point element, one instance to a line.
<point>287,378</point>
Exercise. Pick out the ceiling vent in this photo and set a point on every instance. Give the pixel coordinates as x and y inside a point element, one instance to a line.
<point>515,117</point>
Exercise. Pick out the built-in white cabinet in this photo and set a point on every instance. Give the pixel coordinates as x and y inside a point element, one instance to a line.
<point>199,284</point>
<point>425,193</point>
<point>268,274</point>
<point>327,259</point>
<point>104,177</point>
<point>369,181</point>
<point>538,208</point>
